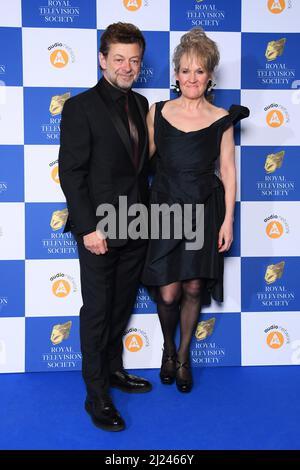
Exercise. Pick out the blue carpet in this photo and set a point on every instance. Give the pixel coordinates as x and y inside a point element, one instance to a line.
<point>229,408</point>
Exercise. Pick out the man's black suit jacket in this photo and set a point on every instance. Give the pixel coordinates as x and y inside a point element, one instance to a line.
<point>95,158</point>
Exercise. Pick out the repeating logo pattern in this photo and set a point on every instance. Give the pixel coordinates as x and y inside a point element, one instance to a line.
<point>50,55</point>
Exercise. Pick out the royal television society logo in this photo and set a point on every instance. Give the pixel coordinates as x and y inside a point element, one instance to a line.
<point>3,186</point>
<point>58,219</point>
<point>279,6</point>
<point>60,332</point>
<point>275,294</point>
<point>59,11</point>
<point>146,75</point>
<point>205,14</point>
<point>276,115</point>
<point>143,299</point>
<point>57,103</point>
<point>135,340</point>
<point>276,226</point>
<point>276,336</point>
<point>51,129</point>
<point>275,72</point>
<point>206,352</point>
<point>57,242</point>
<point>59,356</point>
<point>273,184</point>
<point>62,285</point>
<point>205,329</point>
<point>60,55</point>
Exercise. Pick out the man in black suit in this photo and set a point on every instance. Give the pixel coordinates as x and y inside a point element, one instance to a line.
<point>104,155</point>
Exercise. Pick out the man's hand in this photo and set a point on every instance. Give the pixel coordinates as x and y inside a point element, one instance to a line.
<point>95,242</point>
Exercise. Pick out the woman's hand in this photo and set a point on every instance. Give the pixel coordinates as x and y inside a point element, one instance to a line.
<point>225,236</point>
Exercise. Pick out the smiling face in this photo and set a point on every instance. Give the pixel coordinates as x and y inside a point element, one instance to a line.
<point>121,66</point>
<point>192,77</point>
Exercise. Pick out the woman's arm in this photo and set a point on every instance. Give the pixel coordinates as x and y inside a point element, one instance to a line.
<point>150,125</point>
<point>228,176</point>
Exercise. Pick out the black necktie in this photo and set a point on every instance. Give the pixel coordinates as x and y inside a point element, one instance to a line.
<point>134,135</point>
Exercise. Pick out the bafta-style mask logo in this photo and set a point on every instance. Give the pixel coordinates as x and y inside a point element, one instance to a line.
<point>59,219</point>
<point>274,272</point>
<point>60,332</point>
<point>274,161</point>
<point>57,103</point>
<point>205,329</point>
<point>275,49</point>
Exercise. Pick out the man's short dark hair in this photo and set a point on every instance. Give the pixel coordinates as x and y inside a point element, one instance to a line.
<point>125,33</point>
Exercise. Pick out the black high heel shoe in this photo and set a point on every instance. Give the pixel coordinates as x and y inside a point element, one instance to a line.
<point>185,384</point>
<point>168,368</point>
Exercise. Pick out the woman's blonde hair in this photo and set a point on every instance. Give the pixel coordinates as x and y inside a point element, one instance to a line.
<point>197,43</point>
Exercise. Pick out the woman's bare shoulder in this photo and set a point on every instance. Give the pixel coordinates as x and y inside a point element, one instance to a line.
<point>218,112</point>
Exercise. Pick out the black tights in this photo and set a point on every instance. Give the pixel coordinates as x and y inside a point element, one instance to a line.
<point>179,300</point>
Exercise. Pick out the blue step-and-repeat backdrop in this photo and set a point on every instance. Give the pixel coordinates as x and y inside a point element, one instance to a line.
<point>48,53</point>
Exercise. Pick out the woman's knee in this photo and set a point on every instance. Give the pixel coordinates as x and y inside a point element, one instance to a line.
<point>192,289</point>
<point>169,297</point>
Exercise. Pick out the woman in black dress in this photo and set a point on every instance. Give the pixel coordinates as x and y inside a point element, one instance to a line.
<point>189,134</point>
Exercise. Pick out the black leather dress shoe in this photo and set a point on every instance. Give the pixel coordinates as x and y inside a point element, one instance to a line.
<point>104,414</point>
<point>129,383</point>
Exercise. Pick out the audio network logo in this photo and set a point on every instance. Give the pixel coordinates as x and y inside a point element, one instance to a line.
<point>132,5</point>
<point>54,171</point>
<point>135,340</point>
<point>276,226</point>
<point>60,55</point>
<point>278,6</point>
<point>276,336</point>
<point>276,115</point>
<point>62,285</point>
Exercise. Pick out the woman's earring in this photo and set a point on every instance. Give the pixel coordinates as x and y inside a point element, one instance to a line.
<point>176,87</point>
<point>210,86</point>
